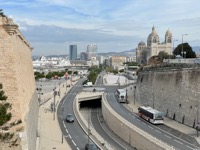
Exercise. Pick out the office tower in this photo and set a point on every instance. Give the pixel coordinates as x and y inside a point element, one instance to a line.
<point>73,52</point>
<point>83,56</point>
<point>91,51</point>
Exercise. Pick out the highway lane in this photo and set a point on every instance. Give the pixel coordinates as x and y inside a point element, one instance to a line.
<point>73,133</point>
<point>149,128</point>
<point>115,142</point>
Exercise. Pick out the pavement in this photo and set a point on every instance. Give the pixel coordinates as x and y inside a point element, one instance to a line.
<point>50,135</point>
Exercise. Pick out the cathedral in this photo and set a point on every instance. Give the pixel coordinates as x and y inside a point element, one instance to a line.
<point>153,47</point>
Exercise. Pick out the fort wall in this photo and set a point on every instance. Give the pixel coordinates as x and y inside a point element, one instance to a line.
<point>175,92</point>
<point>17,77</point>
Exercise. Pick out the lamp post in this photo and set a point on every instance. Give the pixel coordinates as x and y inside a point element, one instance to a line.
<point>182,44</point>
<point>62,109</point>
<point>173,44</point>
<point>54,102</point>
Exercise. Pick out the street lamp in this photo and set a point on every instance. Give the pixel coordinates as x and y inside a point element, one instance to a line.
<point>62,109</point>
<point>182,43</point>
<point>173,44</point>
<point>54,102</point>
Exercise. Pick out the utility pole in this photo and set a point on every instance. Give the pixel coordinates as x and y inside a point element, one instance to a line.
<point>54,103</point>
<point>134,93</point>
<point>62,109</point>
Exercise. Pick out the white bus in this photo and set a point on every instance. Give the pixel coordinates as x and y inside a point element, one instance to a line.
<point>121,95</point>
<point>151,115</point>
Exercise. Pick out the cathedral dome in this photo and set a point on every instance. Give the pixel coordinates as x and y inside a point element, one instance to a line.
<point>153,34</point>
<point>142,44</point>
<point>168,33</point>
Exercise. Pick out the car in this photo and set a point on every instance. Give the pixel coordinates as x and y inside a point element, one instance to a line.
<point>91,146</point>
<point>69,118</point>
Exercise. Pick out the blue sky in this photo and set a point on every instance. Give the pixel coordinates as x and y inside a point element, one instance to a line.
<point>51,26</point>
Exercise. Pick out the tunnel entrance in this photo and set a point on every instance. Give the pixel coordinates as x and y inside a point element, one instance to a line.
<point>95,103</point>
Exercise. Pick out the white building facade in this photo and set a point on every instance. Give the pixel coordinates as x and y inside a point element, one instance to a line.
<point>153,47</point>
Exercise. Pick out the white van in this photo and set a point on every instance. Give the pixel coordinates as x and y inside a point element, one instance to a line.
<point>121,95</point>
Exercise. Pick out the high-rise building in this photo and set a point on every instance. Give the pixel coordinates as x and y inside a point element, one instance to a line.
<point>73,52</point>
<point>91,51</point>
<point>83,56</point>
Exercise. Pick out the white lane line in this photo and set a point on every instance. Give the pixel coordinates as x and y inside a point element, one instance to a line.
<point>158,131</point>
<point>178,142</point>
<point>77,148</point>
<point>189,147</point>
<point>138,119</point>
<point>150,127</point>
<point>64,125</point>
<point>66,130</point>
<point>73,142</point>
<point>167,136</point>
<point>143,123</point>
<point>70,136</point>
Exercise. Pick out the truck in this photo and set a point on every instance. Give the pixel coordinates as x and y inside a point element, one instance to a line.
<point>88,84</point>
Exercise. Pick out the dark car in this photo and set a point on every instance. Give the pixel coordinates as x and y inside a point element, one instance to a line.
<point>91,146</point>
<point>69,118</point>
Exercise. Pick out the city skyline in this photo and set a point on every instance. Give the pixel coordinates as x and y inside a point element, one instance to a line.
<point>51,26</point>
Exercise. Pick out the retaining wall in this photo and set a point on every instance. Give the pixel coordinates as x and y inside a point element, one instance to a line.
<point>174,92</point>
<point>130,133</point>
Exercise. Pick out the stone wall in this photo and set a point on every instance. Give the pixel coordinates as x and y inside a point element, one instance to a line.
<point>16,74</point>
<point>174,92</point>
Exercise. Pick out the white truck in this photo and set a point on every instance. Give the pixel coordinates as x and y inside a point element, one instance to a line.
<point>88,84</point>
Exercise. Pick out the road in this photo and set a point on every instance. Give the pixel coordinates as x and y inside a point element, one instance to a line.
<point>149,128</point>
<point>72,132</point>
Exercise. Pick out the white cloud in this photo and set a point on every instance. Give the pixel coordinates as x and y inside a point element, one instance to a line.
<point>106,22</point>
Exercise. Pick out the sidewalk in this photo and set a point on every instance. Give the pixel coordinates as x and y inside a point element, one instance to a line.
<point>50,135</point>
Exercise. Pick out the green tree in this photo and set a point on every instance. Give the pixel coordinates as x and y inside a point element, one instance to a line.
<point>2,96</point>
<point>163,55</point>
<point>122,70</point>
<point>187,49</point>
<point>4,116</point>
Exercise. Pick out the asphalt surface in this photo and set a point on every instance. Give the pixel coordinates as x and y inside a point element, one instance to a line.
<point>166,137</point>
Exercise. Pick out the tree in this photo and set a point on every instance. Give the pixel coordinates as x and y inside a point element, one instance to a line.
<point>187,49</point>
<point>163,55</point>
<point>4,116</point>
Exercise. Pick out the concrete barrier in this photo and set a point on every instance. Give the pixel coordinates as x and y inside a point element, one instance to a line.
<point>130,133</point>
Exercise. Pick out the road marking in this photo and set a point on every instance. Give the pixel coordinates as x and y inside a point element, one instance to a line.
<point>77,148</point>
<point>73,142</point>
<point>189,147</point>
<point>64,125</point>
<point>158,131</point>
<point>167,136</point>
<point>138,119</point>
<point>66,130</point>
<point>150,127</point>
<point>143,123</point>
<point>70,136</point>
<point>178,142</point>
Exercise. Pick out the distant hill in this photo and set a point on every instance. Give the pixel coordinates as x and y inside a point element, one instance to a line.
<point>123,53</point>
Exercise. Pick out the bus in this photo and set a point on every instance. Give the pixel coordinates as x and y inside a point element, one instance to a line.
<point>151,115</point>
<point>121,95</point>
